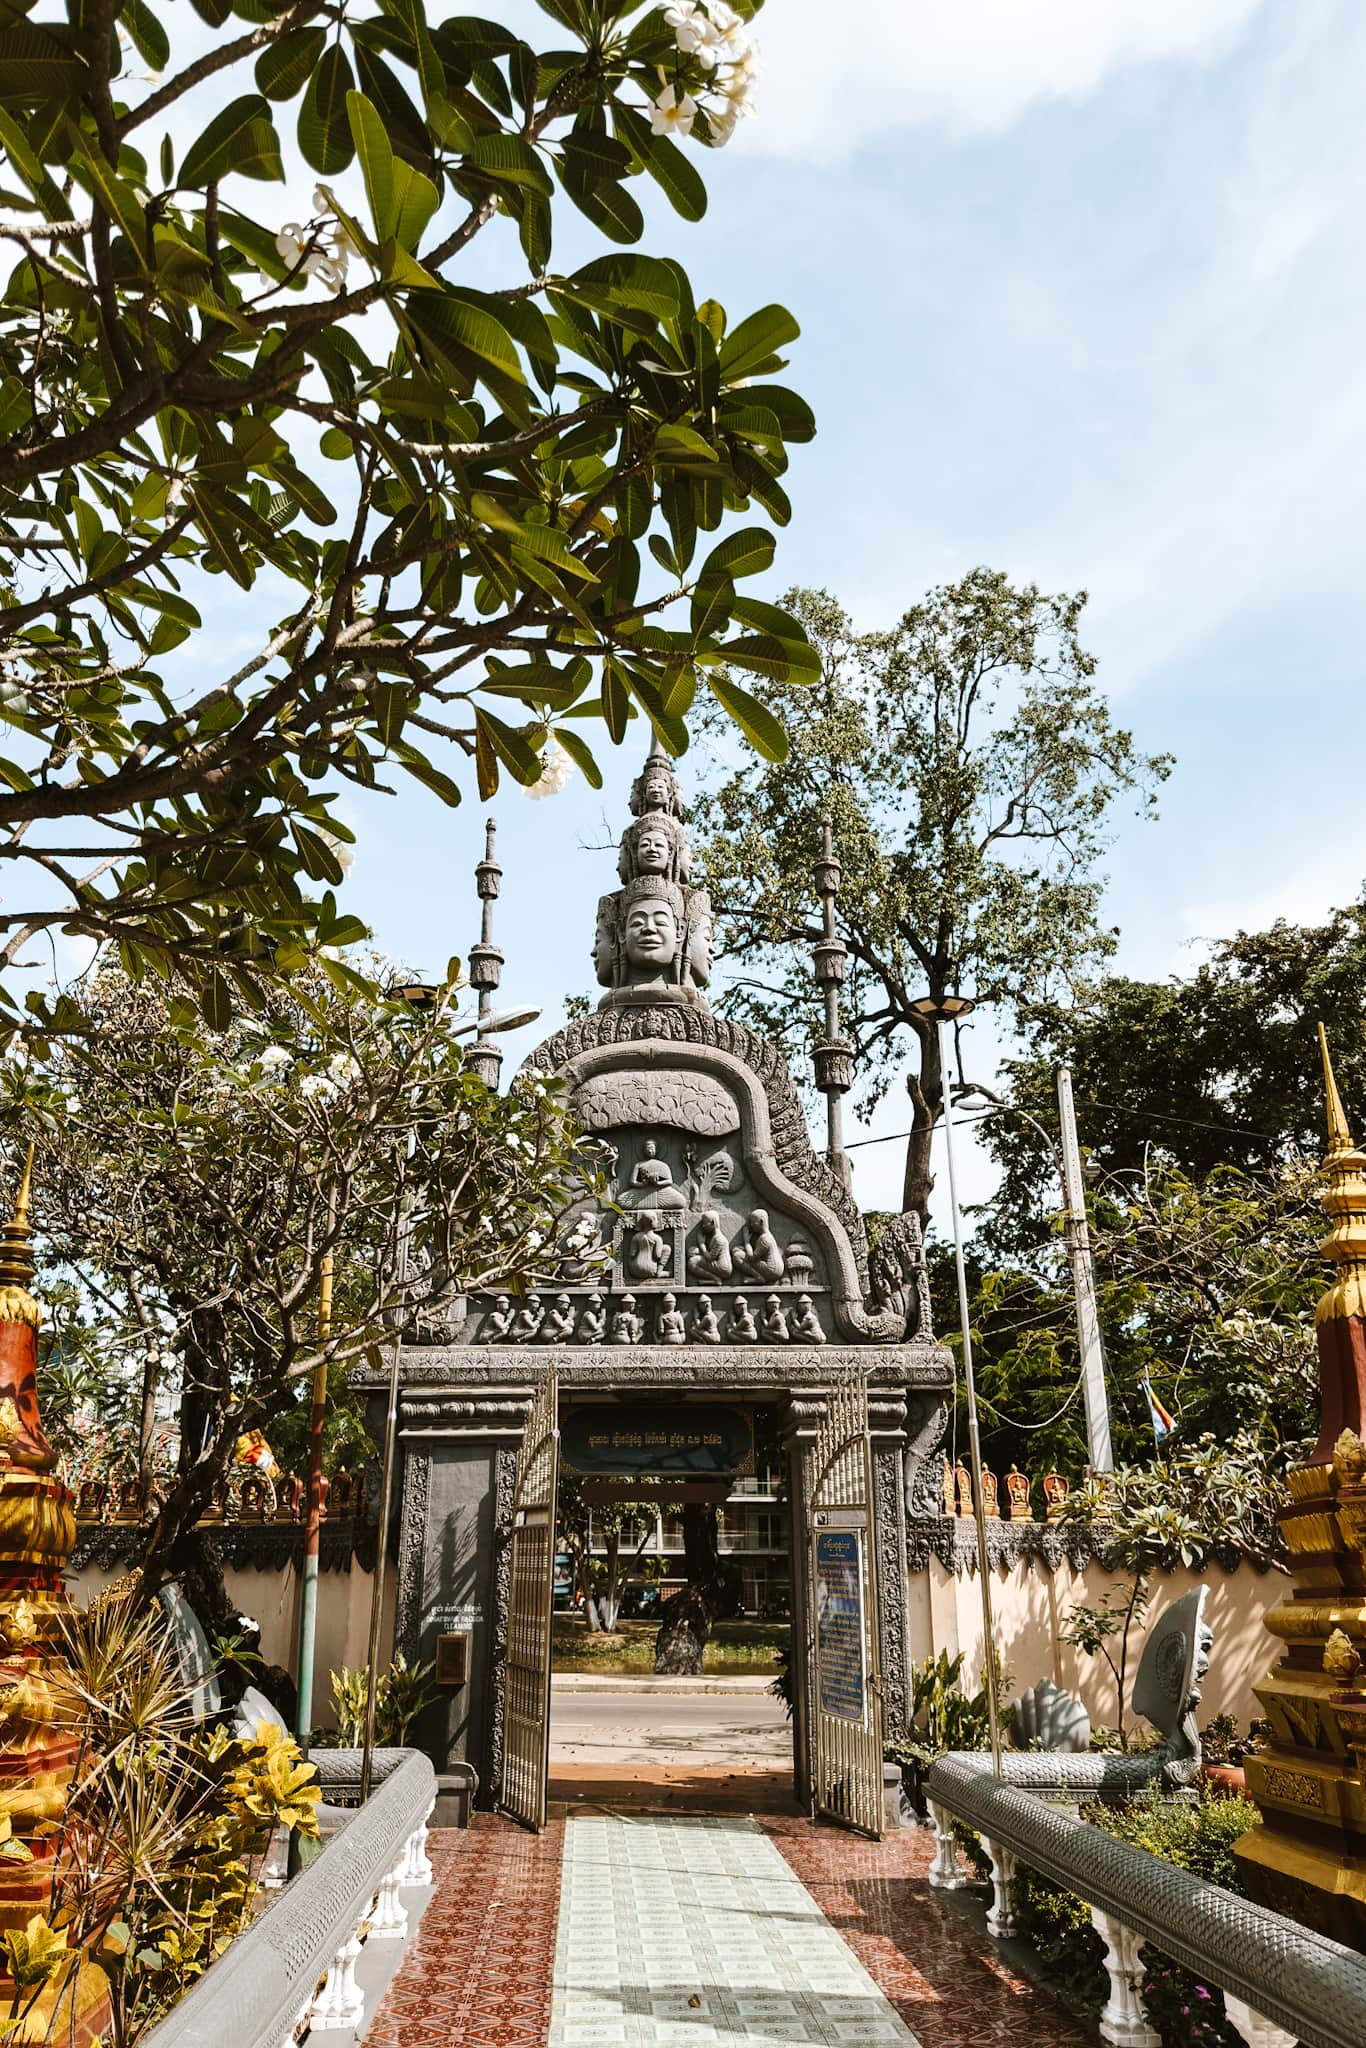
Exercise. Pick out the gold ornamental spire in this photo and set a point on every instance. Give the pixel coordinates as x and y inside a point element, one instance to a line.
<point>16,1260</point>
<point>1344,1204</point>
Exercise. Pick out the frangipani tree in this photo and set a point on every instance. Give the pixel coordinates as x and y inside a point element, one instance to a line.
<point>192,1183</point>
<point>475,494</point>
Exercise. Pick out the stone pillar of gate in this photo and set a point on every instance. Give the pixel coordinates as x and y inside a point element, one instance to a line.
<point>457,1453</point>
<point>798,1436</point>
<point>887,1440</point>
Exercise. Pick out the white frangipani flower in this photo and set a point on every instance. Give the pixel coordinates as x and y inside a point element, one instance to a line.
<point>317,1088</point>
<point>343,1069</point>
<point>670,115</point>
<point>274,1058</point>
<point>556,769</point>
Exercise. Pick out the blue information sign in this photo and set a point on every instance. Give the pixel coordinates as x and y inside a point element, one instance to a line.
<point>839,1624</point>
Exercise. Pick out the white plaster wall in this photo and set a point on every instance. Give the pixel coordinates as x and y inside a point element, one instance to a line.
<point>1028,1603</point>
<point>272,1599</point>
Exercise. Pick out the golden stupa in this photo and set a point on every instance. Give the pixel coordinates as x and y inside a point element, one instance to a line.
<point>1309,1857</point>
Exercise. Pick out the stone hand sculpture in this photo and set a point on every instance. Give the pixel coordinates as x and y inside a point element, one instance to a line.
<point>709,1258</point>
<point>757,1256</point>
<point>1046,1717</point>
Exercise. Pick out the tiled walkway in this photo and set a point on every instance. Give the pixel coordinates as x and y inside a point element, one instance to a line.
<point>636,1930</point>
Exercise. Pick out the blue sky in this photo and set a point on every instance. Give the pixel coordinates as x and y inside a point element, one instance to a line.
<point>1082,292</point>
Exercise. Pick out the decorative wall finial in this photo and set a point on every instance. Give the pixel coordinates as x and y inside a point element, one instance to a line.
<point>485,1057</point>
<point>1344,1203</point>
<point>833,1055</point>
<point>16,1259</point>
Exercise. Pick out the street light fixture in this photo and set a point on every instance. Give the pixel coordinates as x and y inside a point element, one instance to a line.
<point>944,1012</point>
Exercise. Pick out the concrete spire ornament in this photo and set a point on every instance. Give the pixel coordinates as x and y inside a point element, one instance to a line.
<point>485,1057</point>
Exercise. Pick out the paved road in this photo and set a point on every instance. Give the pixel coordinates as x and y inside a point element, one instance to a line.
<point>618,1726</point>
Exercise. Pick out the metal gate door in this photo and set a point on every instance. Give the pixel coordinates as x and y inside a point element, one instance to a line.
<point>527,1671</point>
<point>842,1618</point>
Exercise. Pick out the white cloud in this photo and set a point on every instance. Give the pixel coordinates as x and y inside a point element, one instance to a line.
<point>836,75</point>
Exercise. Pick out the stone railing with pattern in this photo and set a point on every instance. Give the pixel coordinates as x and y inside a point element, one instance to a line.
<point>295,1966</point>
<point>1281,1982</point>
<point>255,1521</point>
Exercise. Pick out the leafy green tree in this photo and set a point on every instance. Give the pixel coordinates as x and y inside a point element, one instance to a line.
<point>969,767</point>
<point>191,1184</point>
<point>1206,1289</point>
<point>469,486</point>
<point>1217,1066</point>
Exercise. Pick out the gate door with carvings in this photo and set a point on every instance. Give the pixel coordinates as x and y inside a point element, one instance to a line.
<point>527,1671</point>
<point>846,1783</point>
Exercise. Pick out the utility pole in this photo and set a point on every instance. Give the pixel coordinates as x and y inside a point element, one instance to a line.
<point>1084,1285</point>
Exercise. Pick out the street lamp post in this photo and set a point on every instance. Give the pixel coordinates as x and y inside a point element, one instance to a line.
<point>507,1020</point>
<point>1067,1160</point>
<point>943,1013</point>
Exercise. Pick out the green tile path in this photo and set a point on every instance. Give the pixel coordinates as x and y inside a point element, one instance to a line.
<point>695,1932</point>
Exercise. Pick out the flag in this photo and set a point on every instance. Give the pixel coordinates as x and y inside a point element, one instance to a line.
<point>1163,1425</point>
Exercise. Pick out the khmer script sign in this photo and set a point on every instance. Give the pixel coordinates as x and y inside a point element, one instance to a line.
<point>841,1674</point>
<point>674,1440</point>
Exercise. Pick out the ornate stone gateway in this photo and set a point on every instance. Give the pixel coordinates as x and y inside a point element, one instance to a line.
<point>841,1604</point>
<point>722,1265</point>
<point>532,1546</point>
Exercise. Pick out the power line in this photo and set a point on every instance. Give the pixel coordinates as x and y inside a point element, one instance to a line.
<point>1244,1131</point>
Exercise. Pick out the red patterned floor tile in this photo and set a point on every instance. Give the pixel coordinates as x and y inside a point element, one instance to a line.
<point>949,1983</point>
<point>480,1970</point>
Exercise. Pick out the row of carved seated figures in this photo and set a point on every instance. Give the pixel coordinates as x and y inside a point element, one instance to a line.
<point>647,1250</point>
<point>623,1319</point>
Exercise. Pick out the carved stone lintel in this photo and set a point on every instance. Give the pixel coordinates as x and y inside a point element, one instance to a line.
<point>735,1367</point>
<point>953,1540</point>
<point>1124,2022</point>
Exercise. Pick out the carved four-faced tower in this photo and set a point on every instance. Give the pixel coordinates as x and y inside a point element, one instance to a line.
<point>725,1269</point>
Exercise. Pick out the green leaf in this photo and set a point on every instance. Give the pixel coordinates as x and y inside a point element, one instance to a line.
<point>751,345</point>
<point>754,719</point>
<point>786,661</point>
<point>746,553</point>
<point>675,174</point>
<point>580,753</point>
<point>215,1000</point>
<point>430,70</point>
<point>32,170</point>
<point>242,138</point>
<point>513,748</point>
<point>120,200</point>
<point>466,320</point>
<point>283,67</point>
<point>214,513</point>
<point>611,209</point>
<point>511,160</point>
<point>324,131</point>
<point>40,63</point>
<point>146,33</point>
<point>415,201</point>
<point>638,284</point>
<point>376,162</point>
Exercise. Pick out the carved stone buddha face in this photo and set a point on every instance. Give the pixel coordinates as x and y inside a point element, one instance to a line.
<point>652,936</point>
<point>653,850</point>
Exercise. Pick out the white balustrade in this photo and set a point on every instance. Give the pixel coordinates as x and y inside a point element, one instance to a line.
<point>389,1919</point>
<point>945,1873</point>
<point>414,1865</point>
<point>1255,2028</point>
<point>340,2004</point>
<point>1003,1919</point>
<point>1124,2023</point>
